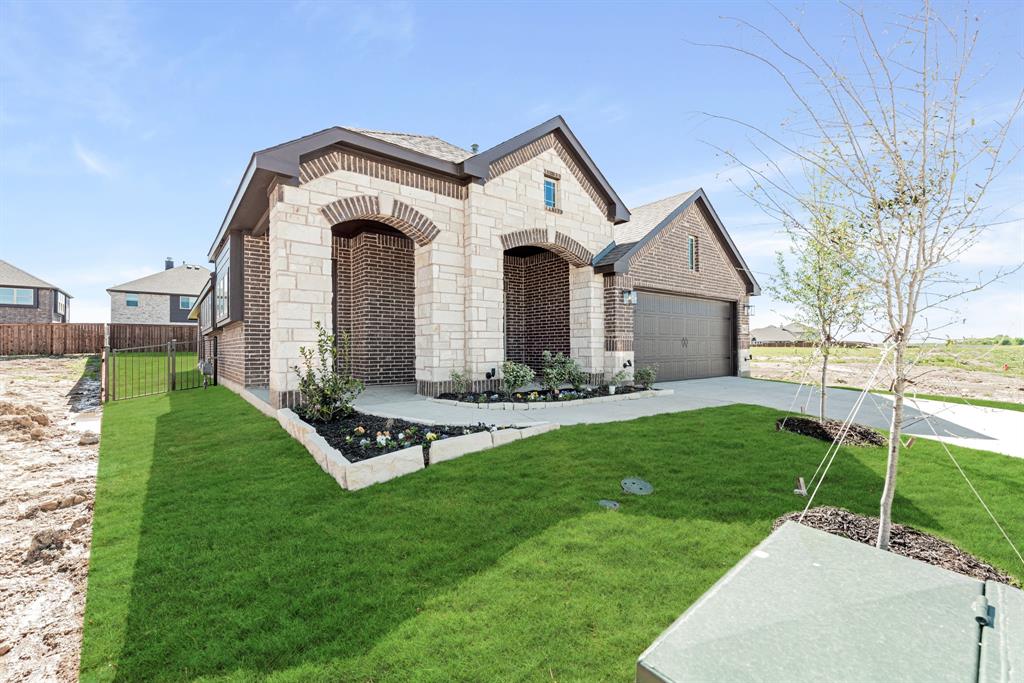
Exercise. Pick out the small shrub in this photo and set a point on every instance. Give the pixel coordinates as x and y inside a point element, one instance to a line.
<point>620,378</point>
<point>559,369</point>
<point>645,376</point>
<point>514,375</point>
<point>327,387</point>
<point>461,382</point>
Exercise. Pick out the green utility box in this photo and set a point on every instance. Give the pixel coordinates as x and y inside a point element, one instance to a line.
<point>805,605</point>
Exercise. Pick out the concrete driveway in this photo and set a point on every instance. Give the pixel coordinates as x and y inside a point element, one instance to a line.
<point>987,429</point>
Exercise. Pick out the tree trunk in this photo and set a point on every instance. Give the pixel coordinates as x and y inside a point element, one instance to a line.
<point>824,380</point>
<point>885,512</point>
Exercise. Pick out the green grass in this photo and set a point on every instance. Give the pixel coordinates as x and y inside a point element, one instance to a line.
<point>221,551</point>
<point>144,373</point>
<point>984,358</point>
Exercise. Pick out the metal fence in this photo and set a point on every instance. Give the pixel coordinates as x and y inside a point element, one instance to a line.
<point>155,369</point>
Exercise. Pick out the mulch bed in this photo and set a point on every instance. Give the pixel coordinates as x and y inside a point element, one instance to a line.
<point>361,437</point>
<point>538,396</point>
<point>903,540</point>
<point>828,430</point>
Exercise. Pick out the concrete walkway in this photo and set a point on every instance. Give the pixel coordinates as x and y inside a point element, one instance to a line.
<point>987,429</point>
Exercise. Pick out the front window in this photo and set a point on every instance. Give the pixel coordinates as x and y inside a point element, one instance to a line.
<point>221,285</point>
<point>17,296</point>
<point>550,193</point>
<point>185,303</point>
<point>131,300</point>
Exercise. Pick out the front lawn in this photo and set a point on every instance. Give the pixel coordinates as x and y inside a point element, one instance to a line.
<point>222,551</point>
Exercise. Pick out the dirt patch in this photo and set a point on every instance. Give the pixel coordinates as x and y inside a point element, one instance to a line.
<point>828,430</point>
<point>47,487</point>
<point>903,540</point>
<point>938,381</point>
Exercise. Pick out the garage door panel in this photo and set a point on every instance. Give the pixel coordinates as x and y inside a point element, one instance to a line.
<point>684,337</point>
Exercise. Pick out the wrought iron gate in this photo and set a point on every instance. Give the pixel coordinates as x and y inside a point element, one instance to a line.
<point>156,369</point>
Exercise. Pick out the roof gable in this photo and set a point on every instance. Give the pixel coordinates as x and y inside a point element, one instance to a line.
<point>12,276</point>
<point>188,279</point>
<point>658,216</point>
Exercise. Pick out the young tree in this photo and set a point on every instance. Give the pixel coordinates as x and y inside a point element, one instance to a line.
<point>888,127</point>
<point>826,284</point>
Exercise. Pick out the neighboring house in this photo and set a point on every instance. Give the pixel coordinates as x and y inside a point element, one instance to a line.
<point>772,334</point>
<point>432,259</point>
<point>159,299</point>
<point>801,332</point>
<point>24,298</point>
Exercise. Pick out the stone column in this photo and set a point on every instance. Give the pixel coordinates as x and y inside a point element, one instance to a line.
<point>440,312</point>
<point>301,289</point>
<point>742,338</point>
<point>484,285</point>
<point>586,319</point>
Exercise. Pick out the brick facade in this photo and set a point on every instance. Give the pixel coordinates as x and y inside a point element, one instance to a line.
<point>374,301</point>
<point>536,307</point>
<point>256,304</point>
<point>42,312</point>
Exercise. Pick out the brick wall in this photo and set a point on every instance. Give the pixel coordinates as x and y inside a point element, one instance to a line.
<point>256,306</point>
<point>375,303</point>
<point>618,316</point>
<point>231,352</point>
<point>536,307</point>
<point>43,313</point>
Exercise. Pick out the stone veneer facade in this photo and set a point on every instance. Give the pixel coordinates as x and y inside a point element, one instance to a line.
<point>433,291</point>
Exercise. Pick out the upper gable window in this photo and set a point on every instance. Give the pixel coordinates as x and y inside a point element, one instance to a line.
<point>551,191</point>
<point>131,300</point>
<point>691,252</point>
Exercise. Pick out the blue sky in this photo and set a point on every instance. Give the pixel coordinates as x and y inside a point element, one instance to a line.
<point>124,127</point>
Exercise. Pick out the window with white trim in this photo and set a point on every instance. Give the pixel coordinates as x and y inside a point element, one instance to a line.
<point>61,304</point>
<point>17,296</point>
<point>691,252</point>
<point>222,284</point>
<point>185,303</point>
<point>131,300</point>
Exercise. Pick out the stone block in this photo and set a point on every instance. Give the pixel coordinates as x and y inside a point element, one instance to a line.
<point>504,436</point>
<point>383,468</point>
<point>539,429</point>
<point>448,449</point>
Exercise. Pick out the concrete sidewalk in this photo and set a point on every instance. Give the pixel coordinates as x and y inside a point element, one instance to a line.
<point>988,429</point>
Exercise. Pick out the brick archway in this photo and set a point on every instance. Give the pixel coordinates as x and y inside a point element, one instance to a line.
<point>399,215</point>
<point>569,249</point>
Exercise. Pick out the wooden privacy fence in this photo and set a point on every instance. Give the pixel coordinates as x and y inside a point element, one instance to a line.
<point>55,339</point>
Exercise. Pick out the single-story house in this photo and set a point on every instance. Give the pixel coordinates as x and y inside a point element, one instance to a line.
<point>801,332</point>
<point>771,334</point>
<point>433,259</point>
<point>24,298</point>
<point>162,298</point>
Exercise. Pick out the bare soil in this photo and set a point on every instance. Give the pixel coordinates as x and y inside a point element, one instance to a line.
<point>903,540</point>
<point>48,452</point>
<point>942,381</point>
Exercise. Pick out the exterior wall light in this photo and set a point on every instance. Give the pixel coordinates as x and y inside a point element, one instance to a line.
<point>748,309</point>
<point>629,297</point>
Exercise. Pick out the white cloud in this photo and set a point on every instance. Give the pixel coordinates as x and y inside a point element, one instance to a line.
<point>92,161</point>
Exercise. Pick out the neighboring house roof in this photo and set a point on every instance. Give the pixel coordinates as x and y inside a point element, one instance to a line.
<point>800,330</point>
<point>771,333</point>
<point>283,161</point>
<point>12,276</point>
<point>648,220</point>
<point>186,279</point>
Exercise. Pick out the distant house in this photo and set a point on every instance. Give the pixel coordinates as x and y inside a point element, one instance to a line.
<point>801,332</point>
<point>24,298</point>
<point>771,334</point>
<point>159,299</point>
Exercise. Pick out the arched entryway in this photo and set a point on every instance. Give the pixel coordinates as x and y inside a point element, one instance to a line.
<point>536,304</point>
<point>374,275</point>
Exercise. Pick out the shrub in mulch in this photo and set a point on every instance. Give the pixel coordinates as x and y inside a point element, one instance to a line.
<point>828,430</point>
<point>903,540</point>
<point>360,437</point>
<point>538,396</point>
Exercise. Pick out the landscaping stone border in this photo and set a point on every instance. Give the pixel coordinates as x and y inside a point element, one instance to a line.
<point>538,405</point>
<point>357,475</point>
